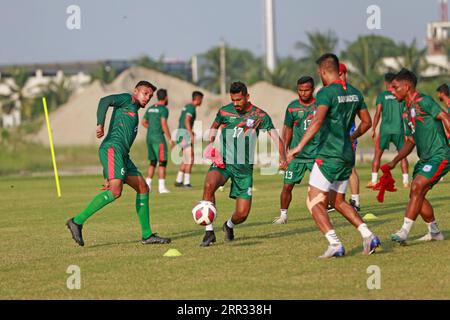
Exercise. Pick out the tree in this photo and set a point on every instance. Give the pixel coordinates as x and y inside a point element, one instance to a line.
<point>286,74</point>
<point>104,73</point>
<point>412,58</point>
<point>16,98</point>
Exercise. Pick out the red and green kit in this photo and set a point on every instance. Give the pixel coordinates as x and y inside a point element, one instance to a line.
<point>238,142</point>
<point>392,127</point>
<point>429,135</point>
<point>123,127</point>
<point>156,142</point>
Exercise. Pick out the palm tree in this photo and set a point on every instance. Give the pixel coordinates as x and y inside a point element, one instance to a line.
<point>412,58</point>
<point>16,98</point>
<point>286,74</point>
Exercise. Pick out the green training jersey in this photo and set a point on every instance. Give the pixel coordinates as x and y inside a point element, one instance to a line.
<point>124,122</point>
<point>299,116</point>
<point>391,114</point>
<point>240,134</point>
<point>188,110</point>
<point>343,104</point>
<point>427,131</point>
<point>153,115</point>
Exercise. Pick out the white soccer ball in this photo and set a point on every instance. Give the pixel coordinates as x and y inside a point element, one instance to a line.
<point>204,213</point>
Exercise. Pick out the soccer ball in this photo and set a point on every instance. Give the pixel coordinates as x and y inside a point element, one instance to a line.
<point>204,213</point>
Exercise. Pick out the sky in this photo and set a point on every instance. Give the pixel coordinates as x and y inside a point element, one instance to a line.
<point>35,31</point>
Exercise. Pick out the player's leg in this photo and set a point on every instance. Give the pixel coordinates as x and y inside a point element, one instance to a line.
<point>188,160</point>
<point>399,141</point>
<point>239,216</point>
<point>376,163</point>
<point>427,214</point>
<point>153,158</point>
<point>143,209</point>
<point>337,198</point>
<point>113,164</point>
<point>180,174</point>
<point>354,189</point>
<point>162,158</point>
<point>213,180</point>
<point>285,201</point>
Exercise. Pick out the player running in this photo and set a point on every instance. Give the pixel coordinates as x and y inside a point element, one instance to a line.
<point>298,116</point>
<point>241,123</point>
<point>185,137</point>
<point>337,105</point>
<point>117,165</point>
<point>392,129</point>
<point>155,121</point>
<point>425,130</point>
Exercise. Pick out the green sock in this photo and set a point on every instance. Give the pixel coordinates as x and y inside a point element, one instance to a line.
<point>99,201</point>
<point>143,212</point>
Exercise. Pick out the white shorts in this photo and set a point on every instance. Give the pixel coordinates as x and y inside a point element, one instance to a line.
<point>318,180</point>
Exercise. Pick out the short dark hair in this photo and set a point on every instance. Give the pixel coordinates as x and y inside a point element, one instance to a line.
<point>197,94</point>
<point>238,87</point>
<point>146,84</point>
<point>329,61</point>
<point>443,88</point>
<point>161,94</point>
<point>407,75</point>
<point>306,79</point>
<point>389,77</point>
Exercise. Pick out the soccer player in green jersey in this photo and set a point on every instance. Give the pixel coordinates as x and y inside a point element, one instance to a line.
<point>117,165</point>
<point>298,116</point>
<point>425,131</point>
<point>443,92</point>
<point>337,105</point>
<point>185,138</point>
<point>155,120</point>
<point>241,123</point>
<point>391,130</point>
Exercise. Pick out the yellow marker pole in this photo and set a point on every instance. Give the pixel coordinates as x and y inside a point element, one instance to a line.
<point>58,189</point>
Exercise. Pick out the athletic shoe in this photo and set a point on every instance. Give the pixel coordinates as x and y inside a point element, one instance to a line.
<point>370,244</point>
<point>164,190</point>
<point>353,204</point>
<point>330,208</point>
<point>370,185</point>
<point>229,232</point>
<point>209,238</point>
<point>432,237</point>
<point>75,230</point>
<point>333,252</point>
<point>280,220</point>
<point>155,239</point>
<point>187,186</point>
<point>400,237</point>
<point>178,184</point>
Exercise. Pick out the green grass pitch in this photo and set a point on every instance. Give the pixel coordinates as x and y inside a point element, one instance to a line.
<point>265,262</point>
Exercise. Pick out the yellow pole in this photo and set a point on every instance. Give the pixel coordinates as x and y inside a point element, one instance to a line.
<point>52,149</point>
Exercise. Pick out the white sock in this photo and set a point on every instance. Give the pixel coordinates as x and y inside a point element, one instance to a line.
<point>405,178</point>
<point>284,213</point>
<point>149,182</point>
<point>187,178</point>
<point>230,224</point>
<point>407,225</point>
<point>162,184</point>
<point>332,238</point>
<point>433,227</point>
<point>374,177</point>
<point>180,177</point>
<point>364,230</point>
<point>209,227</point>
<point>355,197</point>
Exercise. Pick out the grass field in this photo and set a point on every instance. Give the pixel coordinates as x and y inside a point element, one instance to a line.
<point>265,261</point>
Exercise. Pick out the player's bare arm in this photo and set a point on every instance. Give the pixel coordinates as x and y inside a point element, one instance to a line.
<point>364,126</point>
<point>145,123</point>
<point>166,130</point>
<point>314,127</point>
<point>408,147</point>
<point>376,119</point>
<point>287,137</point>
<point>187,124</point>
<point>445,118</point>
<point>281,148</point>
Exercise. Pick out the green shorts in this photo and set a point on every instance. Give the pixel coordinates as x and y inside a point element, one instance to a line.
<point>157,151</point>
<point>433,169</point>
<point>116,165</point>
<point>241,183</point>
<point>184,139</point>
<point>335,171</point>
<point>296,171</point>
<point>384,140</point>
